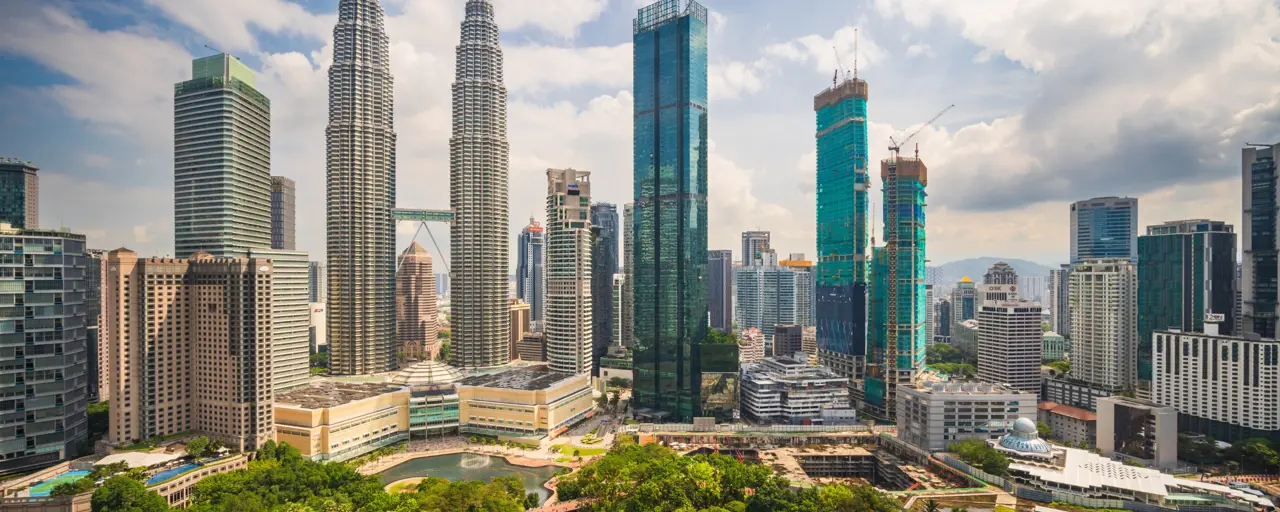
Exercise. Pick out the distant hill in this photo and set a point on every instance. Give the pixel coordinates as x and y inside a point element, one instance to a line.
<point>976,267</point>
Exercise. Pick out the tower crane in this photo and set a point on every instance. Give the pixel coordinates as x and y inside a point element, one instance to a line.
<point>898,145</point>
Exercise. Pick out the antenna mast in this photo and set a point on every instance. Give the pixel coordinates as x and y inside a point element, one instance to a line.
<point>855,53</point>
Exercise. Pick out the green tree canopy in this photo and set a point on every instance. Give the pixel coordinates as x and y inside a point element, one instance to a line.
<point>982,456</point>
<point>124,494</point>
<point>198,447</point>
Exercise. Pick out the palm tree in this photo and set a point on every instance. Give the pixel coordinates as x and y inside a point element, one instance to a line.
<point>931,505</point>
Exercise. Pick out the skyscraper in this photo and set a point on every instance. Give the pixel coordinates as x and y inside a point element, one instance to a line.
<point>1060,300</point>
<point>754,243</point>
<point>628,270</point>
<point>569,277</point>
<point>930,310</point>
<point>1000,273</point>
<point>222,160</point>
<point>1010,344</point>
<point>1261,268</point>
<point>767,296</point>
<point>1104,227</point>
<point>531,277</point>
<point>943,319</point>
<point>896,340</point>
<point>283,213</point>
<point>361,191</point>
<point>95,272</point>
<point>1104,323</point>
<point>720,289</point>
<point>842,212</point>
<point>1186,270</point>
<point>964,301</point>
<point>478,155</point>
<point>315,282</point>
<point>805,295</point>
<point>604,264</point>
<point>670,165</point>
<point>1000,283</point>
<point>19,194</point>
<point>416,323</point>
<point>290,317</point>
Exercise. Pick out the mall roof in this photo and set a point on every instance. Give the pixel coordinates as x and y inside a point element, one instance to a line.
<point>332,394</point>
<point>527,379</point>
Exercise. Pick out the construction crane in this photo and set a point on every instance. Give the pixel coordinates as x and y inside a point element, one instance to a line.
<point>898,145</point>
<point>840,66</point>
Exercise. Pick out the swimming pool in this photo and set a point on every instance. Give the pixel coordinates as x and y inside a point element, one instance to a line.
<point>44,488</point>
<point>170,473</point>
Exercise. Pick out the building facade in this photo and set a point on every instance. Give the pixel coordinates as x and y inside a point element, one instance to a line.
<point>806,299</point>
<point>1069,424</point>
<point>417,324</point>
<point>19,194</point>
<point>842,212</point>
<point>1060,300</point>
<point>930,316</point>
<point>1104,227</point>
<point>1055,346</point>
<point>929,415</point>
<point>570,303</point>
<point>788,339</point>
<point>338,421</point>
<point>964,301</point>
<point>284,193</point>
<point>1139,429</point>
<point>95,272</point>
<point>604,264</point>
<point>316,289</point>
<point>1104,323</point>
<point>943,319</point>
<point>1010,344</point>
<point>360,193</point>
<point>754,244</point>
<point>1221,386</point>
<point>670,178</point>
<point>44,327</point>
<point>1261,268</point>
<point>789,391</point>
<point>523,404</point>
<point>290,317</point>
<point>1186,270</point>
<point>628,270</point>
<point>767,296</point>
<point>751,346</point>
<point>531,276</point>
<point>720,289</point>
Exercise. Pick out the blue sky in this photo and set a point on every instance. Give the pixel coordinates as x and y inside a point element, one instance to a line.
<point>1055,102</point>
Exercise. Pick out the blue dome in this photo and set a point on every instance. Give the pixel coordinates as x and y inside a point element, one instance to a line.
<point>1024,438</point>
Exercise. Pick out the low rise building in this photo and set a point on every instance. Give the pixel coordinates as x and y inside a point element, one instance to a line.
<point>1069,424</point>
<point>337,421</point>
<point>532,347</point>
<point>1055,347</point>
<point>789,390</point>
<point>527,404</point>
<point>433,401</point>
<point>1138,429</point>
<point>1069,391</point>
<point>788,339</point>
<point>933,415</point>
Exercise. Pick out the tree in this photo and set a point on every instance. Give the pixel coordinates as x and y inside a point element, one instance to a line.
<point>444,350</point>
<point>619,382</point>
<point>123,494</point>
<point>931,505</point>
<point>198,447</point>
<point>613,400</point>
<point>1044,430</point>
<point>1256,453</point>
<point>982,456</point>
<point>215,446</point>
<point>320,360</point>
<point>1062,367</point>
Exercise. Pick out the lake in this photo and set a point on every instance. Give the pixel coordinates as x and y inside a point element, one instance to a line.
<point>458,467</point>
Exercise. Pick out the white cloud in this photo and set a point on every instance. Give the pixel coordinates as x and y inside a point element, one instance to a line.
<point>228,24</point>
<point>537,67</point>
<point>822,51</point>
<point>717,22</point>
<point>920,49</point>
<point>733,79</point>
<point>558,17</point>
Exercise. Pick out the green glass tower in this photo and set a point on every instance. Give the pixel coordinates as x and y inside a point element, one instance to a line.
<point>1186,270</point>
<point>842,183</point>
<point>221,160</point>
<point>670,219</point>
<point>897,336</point>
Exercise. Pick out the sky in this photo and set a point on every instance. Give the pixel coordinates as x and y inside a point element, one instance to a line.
<point>1054,102</point>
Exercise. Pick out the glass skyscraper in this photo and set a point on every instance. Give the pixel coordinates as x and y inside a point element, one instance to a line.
<point>1104,227</point>
<point>19,193</point>
<point>1260,269</point>
<point>531,276</point>
<point>670,226</point>
<point>283,213</point>
<point>842,183</point>
<point>604,264</point>
<point>720,289</point>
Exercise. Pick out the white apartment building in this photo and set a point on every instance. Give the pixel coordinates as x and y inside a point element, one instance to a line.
<point>290,317</point>
<point>1010,344</point>
<point>930,330</point>
<point>1104,323</point>
<point>750,346</point>
<point>789,390</point>
<point>933,415</point>
<point>568,328</point>
<point>1222,386</point>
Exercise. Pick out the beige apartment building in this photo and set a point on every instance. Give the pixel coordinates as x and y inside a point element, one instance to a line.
<point>190,347</point>
<point>523,403</point>
<point>416,323</point>
<point>521,324</point>
<point>337,421</point>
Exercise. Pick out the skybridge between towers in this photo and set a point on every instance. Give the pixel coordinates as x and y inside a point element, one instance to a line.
<point>423,216</point>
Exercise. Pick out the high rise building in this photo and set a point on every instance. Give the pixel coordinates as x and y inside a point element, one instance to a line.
<point>19,194</point>
<point>95,272</point>
<point>361,191</point>
<point>754,244</point>
<point>569,291</point>
<point>1104,323</point>
<point>531,276</point>
<point>930,312</point>
<point>1060,300</point>
<point>201,370</point>
<point>767,296</point>
<point>720,289</point>
<point>619,283</point>
<point>943,318</point>
<point>290,317</point>
<point>222,160</point>
<point>521,325</point>
<point>1260,268</point>
<point>1222,386</point>
<point>43,327</point>
<point>478,158</point>
<point>842,233</point>
<point>1010,344</point>
<point>316,290</point>
<point>416,322</point>
<point>604,264</point>
<point>1186,270</point>
<point>787,339</point>
<point>1000,273</point>
<point>964,301</point>
<point>1104,227</point>
<point>673,368</point>
<point>896,339</point>
<point>806,300</point>
<point>1000,284</point>
<point>283,213</point>
<point>628,270</point>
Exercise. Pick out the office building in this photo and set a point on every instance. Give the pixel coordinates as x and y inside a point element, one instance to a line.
<point>570,301</point>
<point>533,347</point>
<point>1069,391</point>
<point>1222,386</point>
<point>521,325</point>
<point>317,330</point>
<point>604,263</point>
<point>896,338</point>
<point>942,317</point>
<point>720,289</point>
<point>999,284</point>
<point>964,337</point>
<point>928,417</point>
<point>806,300</point>
<point>768,295</point>
<point>930,316</point>
<point>1138,429</point>
<point>1068,424</point>
<point>283,213</point>
<point>619,284</point>
<point>338,421</point>
<point>204,371</point>
<point>417,324</point>
<point>628,270</point>
<point>1010,344</point>
<point>788,339</point>
<point>222,205</point>
<point>754,245</point>
<point>43,325</point>
<point>529,404</point>
<point>1054,347</point>
<point>1060,300</point>
<point>1104,227</point>
<point>670,225</point>
<point>19,194</point>
<point>95,272</point>
<point>290,317</point>
<point>360,192</point>
<point>842,211</point>
<point>531,277</point>
<point>785,390</point>
<point>964,301</point>
<point>1000,273</point>
<point>751,346</point>
<point>316,288</point>
<point>1104,323</point>
<point>1186,270</point>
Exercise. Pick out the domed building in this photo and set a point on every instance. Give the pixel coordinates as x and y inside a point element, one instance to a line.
<point>1024,441</point>
<point>433,400</point>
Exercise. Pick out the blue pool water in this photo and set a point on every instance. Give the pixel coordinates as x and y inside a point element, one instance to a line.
<point>44,488</point>
<point>170,473</point>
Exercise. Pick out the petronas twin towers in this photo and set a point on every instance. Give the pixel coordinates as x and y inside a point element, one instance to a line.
<point>361,192</point>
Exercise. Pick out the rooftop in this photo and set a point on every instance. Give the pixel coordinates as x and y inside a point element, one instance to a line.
<point>1067,410</point>
<point>527,379</point>
<point>327,394</point>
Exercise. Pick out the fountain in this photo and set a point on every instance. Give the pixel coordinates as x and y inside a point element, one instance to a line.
<point>460,467</point>
<point>475,461</point>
